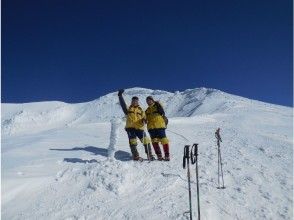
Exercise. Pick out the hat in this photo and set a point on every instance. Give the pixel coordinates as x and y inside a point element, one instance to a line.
<point>149,98</point>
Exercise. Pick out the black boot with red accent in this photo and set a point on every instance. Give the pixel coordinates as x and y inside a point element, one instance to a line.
<point>157,150</point>
<point>138,158</point>
<point>166,152</point>
<point>166,158</point>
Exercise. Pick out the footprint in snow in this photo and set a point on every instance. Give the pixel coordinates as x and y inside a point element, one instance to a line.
<point>248,178</point>
<point>239,190</point>
<point>170,175</point>
<point>261,149</point>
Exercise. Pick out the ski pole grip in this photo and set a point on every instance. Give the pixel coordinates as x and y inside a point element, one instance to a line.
<point>186,156</point>
<point>196,149</point>
<point>194,152</point>
<point>217,135</point>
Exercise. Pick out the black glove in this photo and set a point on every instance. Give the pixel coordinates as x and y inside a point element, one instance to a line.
<point>120,92</point>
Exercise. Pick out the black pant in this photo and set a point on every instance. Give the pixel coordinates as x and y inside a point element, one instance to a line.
<point>133,134</point>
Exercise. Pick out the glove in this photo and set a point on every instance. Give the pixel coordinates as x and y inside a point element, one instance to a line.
<point>120,92</point>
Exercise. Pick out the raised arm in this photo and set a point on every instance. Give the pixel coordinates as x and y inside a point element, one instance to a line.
<point>122,101</point>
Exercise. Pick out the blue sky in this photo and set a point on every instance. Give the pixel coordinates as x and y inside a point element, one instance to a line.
<point>76,51</point>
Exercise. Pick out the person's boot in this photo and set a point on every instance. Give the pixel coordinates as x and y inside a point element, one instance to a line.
<point>134,151</point>
<point>150,157</point>
<point>137,158</point>
<point>157,150</point>
<point>166,152</point>
<point>148,151</point>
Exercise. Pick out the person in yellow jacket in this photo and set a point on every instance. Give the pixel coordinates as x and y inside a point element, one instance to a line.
<point>156,125</point>
<point>135,126</point>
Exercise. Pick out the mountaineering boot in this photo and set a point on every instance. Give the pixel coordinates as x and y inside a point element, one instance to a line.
<point>166,158</point>
<point>159,157</point>
<point>134,151</point>
<point>151,157</point>
<point>157,150</point>
<point>138,158</point>
<point>166,152</point>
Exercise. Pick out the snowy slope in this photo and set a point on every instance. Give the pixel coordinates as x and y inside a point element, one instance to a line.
<point>55,165</point>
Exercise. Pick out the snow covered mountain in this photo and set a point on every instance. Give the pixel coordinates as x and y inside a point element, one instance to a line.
<point>34,117</point>
<point>55,165</point>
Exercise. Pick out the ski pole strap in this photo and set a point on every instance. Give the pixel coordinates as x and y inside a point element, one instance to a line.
<point>194,153</point>
<point>186,156</point>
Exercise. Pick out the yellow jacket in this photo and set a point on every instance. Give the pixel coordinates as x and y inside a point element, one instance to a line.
<point>154,118</point>
<point>135,117</point>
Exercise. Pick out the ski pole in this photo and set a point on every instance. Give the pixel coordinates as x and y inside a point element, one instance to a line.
<point>148,152</point>
<point>221,167</point>
<point>219,161</point>
<point>186,160</point>
<point>194,159</point>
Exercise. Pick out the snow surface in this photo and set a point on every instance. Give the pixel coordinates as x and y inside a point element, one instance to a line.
<point>55,161</point>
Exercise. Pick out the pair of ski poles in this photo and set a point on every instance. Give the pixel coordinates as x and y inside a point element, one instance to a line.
<point>193,155</point>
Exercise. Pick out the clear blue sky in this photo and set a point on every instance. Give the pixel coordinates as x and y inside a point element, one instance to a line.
<point>76,51</point>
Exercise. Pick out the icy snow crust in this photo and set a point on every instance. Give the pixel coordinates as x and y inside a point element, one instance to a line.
<point>55,162</point>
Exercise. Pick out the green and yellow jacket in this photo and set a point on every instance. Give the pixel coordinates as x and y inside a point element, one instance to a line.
<point>155,116</point>
<point>134,114</point>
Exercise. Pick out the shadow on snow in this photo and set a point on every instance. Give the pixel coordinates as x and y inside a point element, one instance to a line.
<point>119,155</point>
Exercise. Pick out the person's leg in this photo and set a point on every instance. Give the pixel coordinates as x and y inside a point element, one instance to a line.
<point>133,142</point>
<point>146,142</point>
<point>165,143</point>
<point>154,140</point>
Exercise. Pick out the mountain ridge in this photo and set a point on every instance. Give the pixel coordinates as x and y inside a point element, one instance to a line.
<point>36,116</point>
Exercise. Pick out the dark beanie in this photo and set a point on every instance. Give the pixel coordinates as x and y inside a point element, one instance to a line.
<point>149,98</point>
<point>135,98</point>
